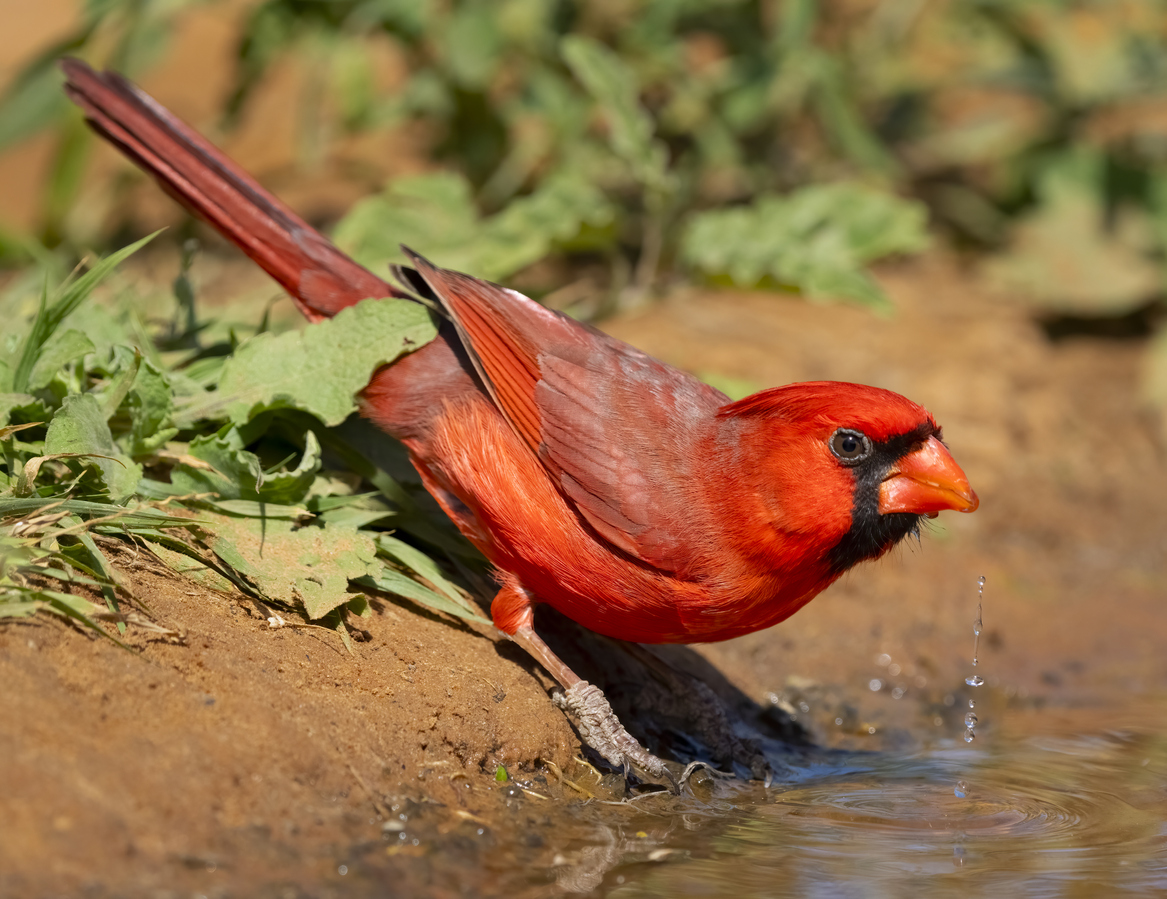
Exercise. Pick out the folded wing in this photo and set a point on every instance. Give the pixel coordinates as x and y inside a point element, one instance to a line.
<point>623,435</point>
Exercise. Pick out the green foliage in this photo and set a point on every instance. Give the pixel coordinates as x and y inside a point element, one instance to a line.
<point>79,429</point>
<point>49,318</point>
<point>319,369</point>
<point>436,216</point>
<point>567,129</point>
<point>816,239</point>
<point>238,457</point>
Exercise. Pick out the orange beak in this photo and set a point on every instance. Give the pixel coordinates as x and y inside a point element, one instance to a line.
<point>926,482</point>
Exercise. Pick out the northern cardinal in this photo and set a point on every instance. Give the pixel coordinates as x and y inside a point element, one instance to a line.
<point>628,495</point>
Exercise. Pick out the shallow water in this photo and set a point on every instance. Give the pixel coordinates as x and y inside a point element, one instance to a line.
<point>1067,802</point>
<point>1044,815</point>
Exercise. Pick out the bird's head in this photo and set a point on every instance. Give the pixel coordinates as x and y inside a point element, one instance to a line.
<point>855,467</point>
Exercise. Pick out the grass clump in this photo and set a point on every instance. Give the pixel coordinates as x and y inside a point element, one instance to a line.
<point>229,455</point>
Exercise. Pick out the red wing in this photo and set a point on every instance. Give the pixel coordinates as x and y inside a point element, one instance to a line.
<point>622,434</point>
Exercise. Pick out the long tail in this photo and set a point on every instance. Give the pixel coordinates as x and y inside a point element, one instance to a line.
<point>321,279</point>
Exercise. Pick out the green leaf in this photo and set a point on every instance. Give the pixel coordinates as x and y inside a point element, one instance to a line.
<point>50,316</point>
<point>32,103</point>
<point>128,517</point>
<point>234,471</point>
<point>23,403</point>
<point>237,479</point>
<point>529,228</point>
<point>193,568</point>
<point>309,565</point>
<point>149,404</point>
<point>421,564</point>
<point>120,384</point>
<point>471,44</point>
<point>321,368</point>
<point>1075,253</point>
<point>844,121</point>
<point>615,87</point>
<point>324,592</point>
<point>434,214</point>
<point>80,427</point>
<point>816,239</point>
<point>288,487</point>
<point>391,581</point>
<point>58,351</point>
<point>248,508</point>
<point>357,518</point>
<point>18,608</point>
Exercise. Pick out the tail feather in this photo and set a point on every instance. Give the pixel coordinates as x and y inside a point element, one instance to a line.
<point>321,279</point>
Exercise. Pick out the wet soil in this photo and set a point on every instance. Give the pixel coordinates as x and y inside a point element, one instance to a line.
<point>254,761</point>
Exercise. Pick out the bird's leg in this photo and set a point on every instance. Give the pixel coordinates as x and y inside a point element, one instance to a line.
<point>598,724</point>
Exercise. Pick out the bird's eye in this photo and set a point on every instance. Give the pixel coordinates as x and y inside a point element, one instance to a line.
<point>850,447</point>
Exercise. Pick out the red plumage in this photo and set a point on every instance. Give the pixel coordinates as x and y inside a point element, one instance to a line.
<point>627,494</point>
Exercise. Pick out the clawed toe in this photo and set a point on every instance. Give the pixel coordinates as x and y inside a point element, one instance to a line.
<point>601,729</point>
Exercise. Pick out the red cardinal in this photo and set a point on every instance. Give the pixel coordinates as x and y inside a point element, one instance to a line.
<point>630,496</point>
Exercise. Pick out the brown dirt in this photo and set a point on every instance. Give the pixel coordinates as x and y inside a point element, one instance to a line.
<point>252,760</point>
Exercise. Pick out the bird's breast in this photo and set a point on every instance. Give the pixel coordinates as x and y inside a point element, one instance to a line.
<point>507,504</point>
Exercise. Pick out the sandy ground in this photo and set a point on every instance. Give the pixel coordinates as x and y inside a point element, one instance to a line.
<point>251,760</point>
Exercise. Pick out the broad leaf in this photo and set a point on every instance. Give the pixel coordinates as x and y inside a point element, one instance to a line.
<point>80,427</point>
<point>321,368</point>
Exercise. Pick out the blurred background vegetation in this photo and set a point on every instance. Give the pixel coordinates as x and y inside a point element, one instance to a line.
<point>593,152</point>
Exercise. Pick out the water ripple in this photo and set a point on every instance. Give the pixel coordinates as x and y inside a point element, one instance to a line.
<point>1052,814</point>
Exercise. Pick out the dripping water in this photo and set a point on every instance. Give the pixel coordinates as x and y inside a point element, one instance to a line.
<point>973,680</point>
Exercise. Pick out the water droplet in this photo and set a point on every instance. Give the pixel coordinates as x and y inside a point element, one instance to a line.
<point>975,681</point>
<point>342,870</point>
<point>961,790</point>
<point>875,685</point>
<point>970,720</point>
<point>969,737</point>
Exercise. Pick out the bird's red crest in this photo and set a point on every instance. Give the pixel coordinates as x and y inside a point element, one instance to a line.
<point>879,413</point>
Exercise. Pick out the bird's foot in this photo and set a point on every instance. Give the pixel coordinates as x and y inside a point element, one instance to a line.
<point>602,730</point>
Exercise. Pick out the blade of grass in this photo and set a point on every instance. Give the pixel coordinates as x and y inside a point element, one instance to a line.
<point>49,318</point>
